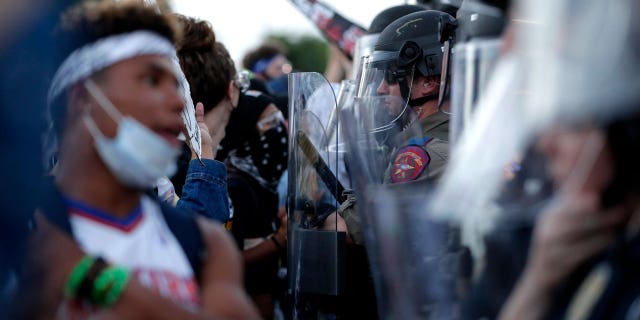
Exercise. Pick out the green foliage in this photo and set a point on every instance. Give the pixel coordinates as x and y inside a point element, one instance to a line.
<point>306,53</point>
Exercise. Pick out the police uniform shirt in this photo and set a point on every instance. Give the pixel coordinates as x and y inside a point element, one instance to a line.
<point>422,157</point>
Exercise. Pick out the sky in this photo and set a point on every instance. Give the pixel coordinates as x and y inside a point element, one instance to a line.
<point>243,24</point>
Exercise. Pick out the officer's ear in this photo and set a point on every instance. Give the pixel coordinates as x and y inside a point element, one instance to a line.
<point>427,85</point>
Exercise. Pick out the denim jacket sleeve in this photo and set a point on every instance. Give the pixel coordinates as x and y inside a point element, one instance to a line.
<point>205,190</point>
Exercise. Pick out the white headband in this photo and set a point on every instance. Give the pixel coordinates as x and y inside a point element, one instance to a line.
<point>95,56</point>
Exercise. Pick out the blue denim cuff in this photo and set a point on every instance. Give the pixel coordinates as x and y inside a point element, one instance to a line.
<point>205,190</point>
<point>212,170</point>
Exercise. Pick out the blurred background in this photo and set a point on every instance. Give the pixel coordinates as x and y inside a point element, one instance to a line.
<point>244,24</point>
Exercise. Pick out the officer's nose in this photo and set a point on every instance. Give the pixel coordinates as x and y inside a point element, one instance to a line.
<point>383,88</point>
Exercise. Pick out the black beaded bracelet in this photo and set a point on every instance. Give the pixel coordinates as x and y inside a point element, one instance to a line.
<point>84,291</point>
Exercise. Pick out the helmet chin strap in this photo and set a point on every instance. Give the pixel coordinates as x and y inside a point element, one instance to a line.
<point>422,100</point>
<point>410,117</point>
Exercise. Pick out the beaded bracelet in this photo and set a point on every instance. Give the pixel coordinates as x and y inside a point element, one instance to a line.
<point>109,286</point>
<point>84,290</point>
<point>77,276</point>
<point>93,280</point>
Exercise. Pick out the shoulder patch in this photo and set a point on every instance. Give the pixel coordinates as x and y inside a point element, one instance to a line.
<point>409,163</point>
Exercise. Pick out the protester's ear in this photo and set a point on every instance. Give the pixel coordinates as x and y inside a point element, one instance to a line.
<point>230,89</point>
<point>77,99</point>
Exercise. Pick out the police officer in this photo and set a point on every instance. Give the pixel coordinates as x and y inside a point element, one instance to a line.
<point>405,75</point>
<point>400,89</point>
<point>403,121</point>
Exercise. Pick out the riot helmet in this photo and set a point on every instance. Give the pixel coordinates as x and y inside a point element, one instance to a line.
<point>365,44</point>
<point>481,19</point>
<point>389,15</point>
<point>417,39</point>
<point>416,45</point>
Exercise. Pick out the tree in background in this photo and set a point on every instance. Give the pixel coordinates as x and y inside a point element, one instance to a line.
<point>307,53</point>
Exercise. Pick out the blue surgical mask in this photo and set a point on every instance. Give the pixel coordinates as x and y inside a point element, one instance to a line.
<point>136,156</point>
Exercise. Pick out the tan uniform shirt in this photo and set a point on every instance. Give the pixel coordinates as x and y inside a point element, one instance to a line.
<point>424,157</point>
<point>419,158</point>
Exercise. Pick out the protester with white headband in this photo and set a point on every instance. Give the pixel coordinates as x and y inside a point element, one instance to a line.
<point>116,108</point>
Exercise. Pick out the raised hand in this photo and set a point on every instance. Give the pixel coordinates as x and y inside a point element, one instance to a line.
<point>571,231</point>
<point>209,143</point>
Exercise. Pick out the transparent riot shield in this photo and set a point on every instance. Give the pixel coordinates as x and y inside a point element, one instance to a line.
<point>335,142</point>
<point>316,190</point>
<point>473,64</point>
<point>417,262</point>
<point>551,83</point>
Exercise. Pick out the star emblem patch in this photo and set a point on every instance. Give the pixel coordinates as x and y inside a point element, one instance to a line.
<point>409,163</point>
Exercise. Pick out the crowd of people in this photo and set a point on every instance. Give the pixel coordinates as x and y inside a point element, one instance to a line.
<point>473,159</point>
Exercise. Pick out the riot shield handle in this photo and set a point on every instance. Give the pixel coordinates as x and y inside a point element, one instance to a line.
<point>321,167</point>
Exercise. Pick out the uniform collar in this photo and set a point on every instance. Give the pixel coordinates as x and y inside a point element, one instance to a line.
<point>433,121</point>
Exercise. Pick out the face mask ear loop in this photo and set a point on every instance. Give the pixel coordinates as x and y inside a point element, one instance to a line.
<point>91,125</point>
<point>102,100</point>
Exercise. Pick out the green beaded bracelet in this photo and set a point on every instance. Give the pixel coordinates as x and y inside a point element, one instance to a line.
<point>118,288</point>
<point>77,275</point>
<point>109,285</point>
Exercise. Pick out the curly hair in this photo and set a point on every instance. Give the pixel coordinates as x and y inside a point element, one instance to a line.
<point>265,51</point>
<point>92,20</point>
<point>206,63</point>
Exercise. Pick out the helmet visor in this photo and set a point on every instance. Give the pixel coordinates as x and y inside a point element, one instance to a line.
<point>388,85</point>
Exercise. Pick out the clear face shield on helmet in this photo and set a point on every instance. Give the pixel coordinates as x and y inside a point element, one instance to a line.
<point>386,84</point>
<point>364,48</point>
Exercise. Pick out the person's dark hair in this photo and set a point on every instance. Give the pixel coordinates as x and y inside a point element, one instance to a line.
<point>206,63</point>
<point>89,21</point>
<point>265,51</point>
